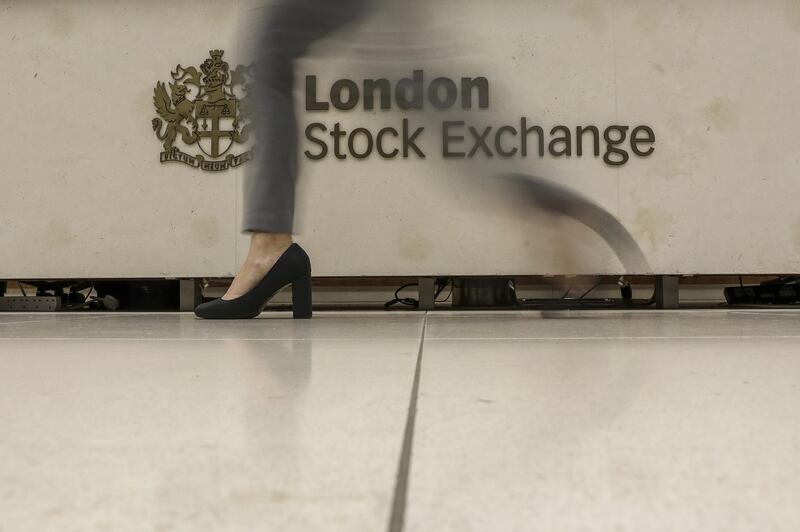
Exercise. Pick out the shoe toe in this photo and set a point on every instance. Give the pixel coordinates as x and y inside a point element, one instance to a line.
<point>206,310</point>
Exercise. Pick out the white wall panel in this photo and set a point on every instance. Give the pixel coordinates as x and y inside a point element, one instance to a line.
<point>82,192</point>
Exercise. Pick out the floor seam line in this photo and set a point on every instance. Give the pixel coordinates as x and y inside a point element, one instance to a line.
<point>399,499</point>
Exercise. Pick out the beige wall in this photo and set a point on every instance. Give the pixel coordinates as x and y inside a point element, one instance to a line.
<point>85,196</point>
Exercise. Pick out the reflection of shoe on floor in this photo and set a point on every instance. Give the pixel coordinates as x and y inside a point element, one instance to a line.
<point>293,268</point>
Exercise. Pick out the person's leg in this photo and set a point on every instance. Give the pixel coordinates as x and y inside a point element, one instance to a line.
<point>265,250</point>
<point>291,27</point>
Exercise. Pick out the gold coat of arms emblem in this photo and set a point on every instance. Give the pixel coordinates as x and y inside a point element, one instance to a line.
<point>206,108</point>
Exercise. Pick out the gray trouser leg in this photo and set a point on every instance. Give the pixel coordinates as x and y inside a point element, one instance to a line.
<point>289,29</point>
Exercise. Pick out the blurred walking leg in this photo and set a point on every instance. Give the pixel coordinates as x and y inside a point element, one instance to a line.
<point>289,28</point>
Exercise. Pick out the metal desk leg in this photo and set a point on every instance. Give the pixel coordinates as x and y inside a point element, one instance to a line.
<point>427,293</point>
<point>667,292</point>
<point>191,295</point>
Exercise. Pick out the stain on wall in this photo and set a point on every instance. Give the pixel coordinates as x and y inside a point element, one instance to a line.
<point>653,225</point>
<point>413,244</point>
<point>58,234</point>
<point>792,17</point>
<point>593,14</point>
<point>61,22</point>
<point>722,114</point>
<point>205,231</point>
<point>795,235</point>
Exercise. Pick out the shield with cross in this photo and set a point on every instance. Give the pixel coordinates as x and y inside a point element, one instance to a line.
<point>215,125</point>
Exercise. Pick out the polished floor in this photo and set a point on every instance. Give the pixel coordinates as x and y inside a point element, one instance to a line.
<point>562,421</point>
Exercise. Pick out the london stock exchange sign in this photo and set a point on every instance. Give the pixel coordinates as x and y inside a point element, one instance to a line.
<point>202,109</point>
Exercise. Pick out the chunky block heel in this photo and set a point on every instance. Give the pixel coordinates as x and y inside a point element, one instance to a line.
<point>293,268</point>
<point>301,298</point>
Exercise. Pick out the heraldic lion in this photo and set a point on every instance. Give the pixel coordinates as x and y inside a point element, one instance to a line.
<point>174,109</point>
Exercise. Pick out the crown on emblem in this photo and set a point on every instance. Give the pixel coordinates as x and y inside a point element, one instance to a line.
<point>214,64</point>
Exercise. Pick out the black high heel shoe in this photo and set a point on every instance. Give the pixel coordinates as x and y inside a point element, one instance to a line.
<point>293,268</point>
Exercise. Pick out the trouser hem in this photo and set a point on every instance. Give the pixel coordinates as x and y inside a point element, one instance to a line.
<point>267,224</point>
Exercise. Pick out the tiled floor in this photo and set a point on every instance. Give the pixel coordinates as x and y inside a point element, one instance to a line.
<point>565,421</point>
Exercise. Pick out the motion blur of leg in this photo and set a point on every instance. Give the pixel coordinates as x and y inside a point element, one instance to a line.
<point>561,201</point>
<point>288,29</point>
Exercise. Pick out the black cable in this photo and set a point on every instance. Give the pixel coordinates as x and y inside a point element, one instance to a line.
<point>85,302</point>
<point>589,291</point>
<point>440,287</point>
<point>406,301</point>
<point>581,301</point>
<point>452,283</point>
<point>411,302</point>
<point>521,302</point>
